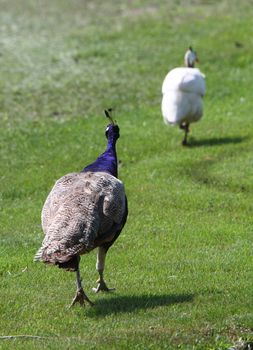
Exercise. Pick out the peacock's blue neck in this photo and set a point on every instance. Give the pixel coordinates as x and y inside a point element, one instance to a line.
<point>107,161</point>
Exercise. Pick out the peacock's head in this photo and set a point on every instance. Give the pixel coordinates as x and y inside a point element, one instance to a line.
<point>190,58</point>
<point>112,129</point>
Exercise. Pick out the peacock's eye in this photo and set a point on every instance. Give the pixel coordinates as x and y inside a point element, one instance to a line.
<point>107,129</point>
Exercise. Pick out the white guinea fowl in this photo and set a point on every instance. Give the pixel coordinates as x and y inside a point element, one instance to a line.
<point>183,91</point>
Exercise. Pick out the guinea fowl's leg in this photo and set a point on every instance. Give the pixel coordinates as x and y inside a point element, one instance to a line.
<point>100,269</point>
<point>80,296</point>
<point>185,127</point>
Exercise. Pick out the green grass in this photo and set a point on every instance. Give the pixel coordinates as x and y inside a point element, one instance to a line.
<point>182,267</point>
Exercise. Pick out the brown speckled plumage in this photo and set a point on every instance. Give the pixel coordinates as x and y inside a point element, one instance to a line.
<point>82,211</point>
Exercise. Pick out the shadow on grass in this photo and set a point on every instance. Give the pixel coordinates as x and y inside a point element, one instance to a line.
<point>216,141</point>
<point>119,304</point>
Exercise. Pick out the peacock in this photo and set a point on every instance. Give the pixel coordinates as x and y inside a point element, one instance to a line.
<point>85,210</point>
<point>183,90</point>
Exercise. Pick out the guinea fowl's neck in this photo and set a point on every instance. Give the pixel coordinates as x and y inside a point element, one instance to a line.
<point>107,161</point>
<point>189,63</point>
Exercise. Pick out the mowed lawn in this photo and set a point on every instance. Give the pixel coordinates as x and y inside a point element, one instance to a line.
<point>182,266</point>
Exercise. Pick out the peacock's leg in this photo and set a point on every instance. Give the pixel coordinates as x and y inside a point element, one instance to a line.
<point>100,265</point>
<point>80,296</point>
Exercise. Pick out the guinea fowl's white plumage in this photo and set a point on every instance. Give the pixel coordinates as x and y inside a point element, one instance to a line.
<point>183,90</point>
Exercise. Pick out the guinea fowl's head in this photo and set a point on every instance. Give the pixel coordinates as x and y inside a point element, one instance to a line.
<point>112,129</point>
<point>190,58</point>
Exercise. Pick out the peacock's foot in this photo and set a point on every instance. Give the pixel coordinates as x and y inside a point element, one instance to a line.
<point>102,287</point>
<point>184,143</point>
<point>81,298</point>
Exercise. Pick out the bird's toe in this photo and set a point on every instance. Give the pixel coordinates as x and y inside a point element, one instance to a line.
<point>81,298</point>
<point>102,287</point>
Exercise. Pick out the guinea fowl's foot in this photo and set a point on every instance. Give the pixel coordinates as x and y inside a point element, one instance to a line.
<point>102,287</point>
<point>81,298</point>
<point>184,143</point>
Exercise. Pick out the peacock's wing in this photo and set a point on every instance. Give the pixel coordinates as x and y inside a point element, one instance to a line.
<point>58,195</point>
<point>113,212</point>
<point>80,207</point>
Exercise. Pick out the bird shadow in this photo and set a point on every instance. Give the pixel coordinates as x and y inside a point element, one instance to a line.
<point>126,304</point>
<point>216,141</point>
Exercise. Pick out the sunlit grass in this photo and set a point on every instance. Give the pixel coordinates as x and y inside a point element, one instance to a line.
<point>182,266</point>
